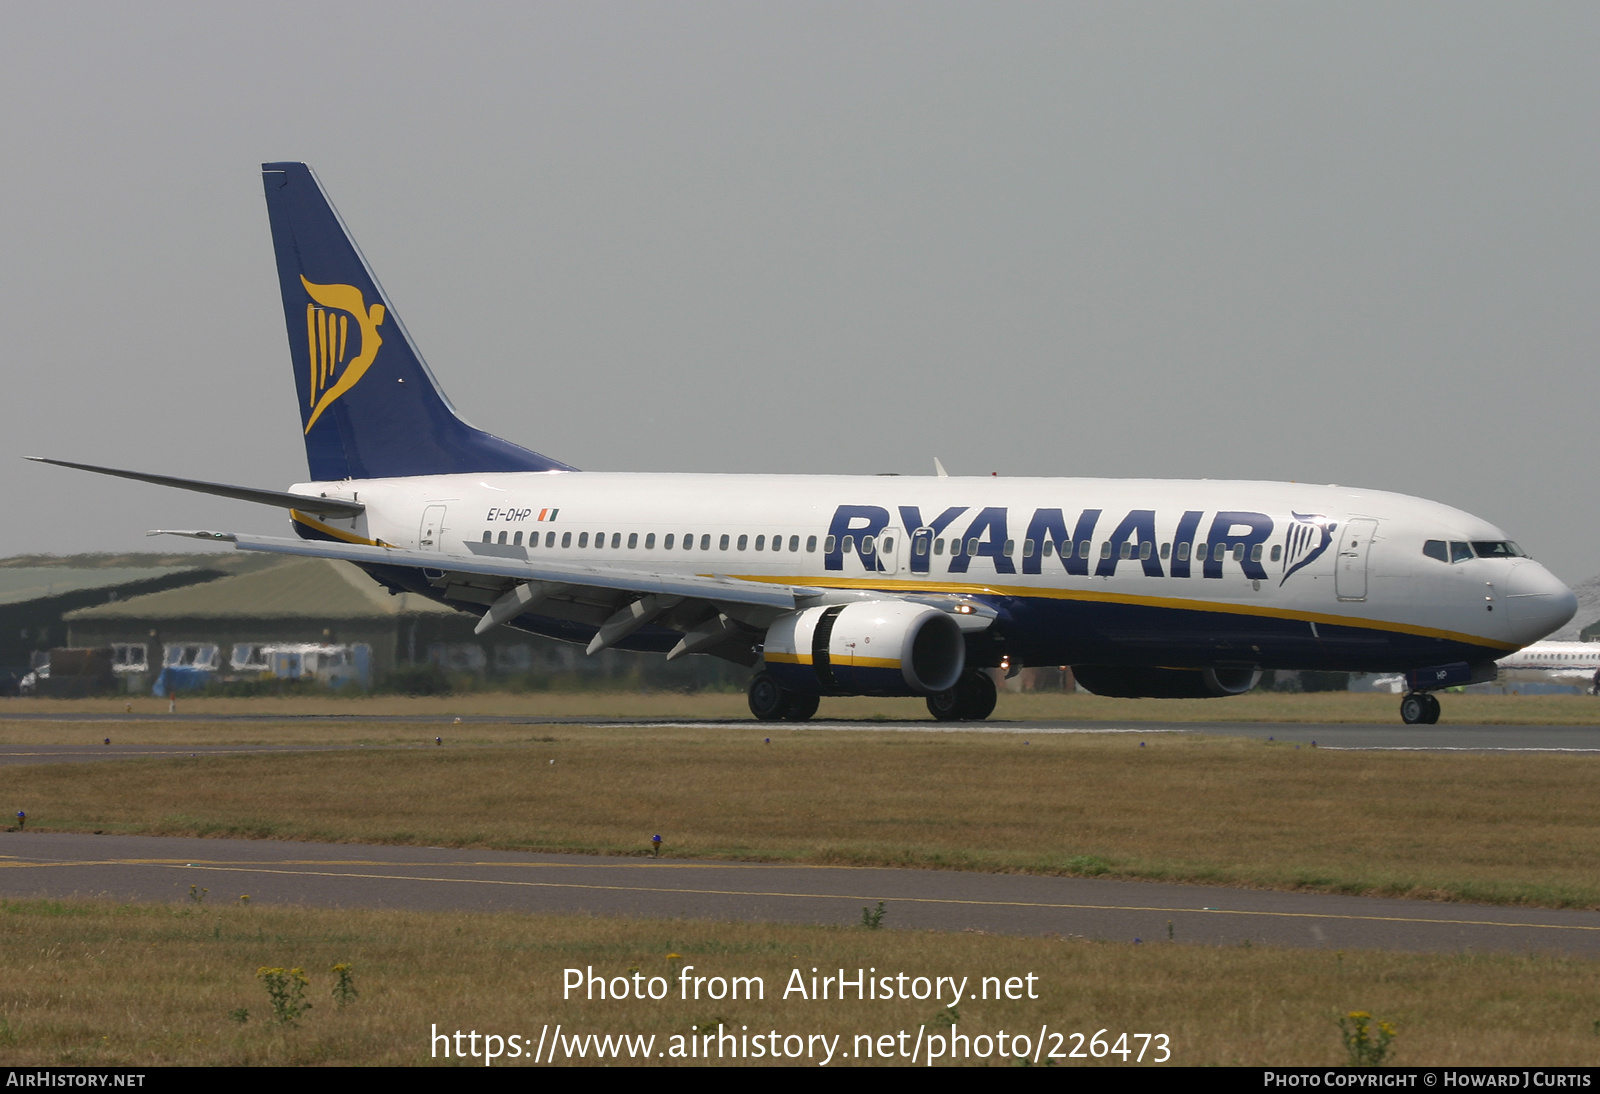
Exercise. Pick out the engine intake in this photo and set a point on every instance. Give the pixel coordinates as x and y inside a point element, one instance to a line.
<point>872,647</point>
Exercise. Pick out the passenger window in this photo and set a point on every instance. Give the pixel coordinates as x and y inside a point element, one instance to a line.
<point>502,538</point>
<point>744,541</point>
<point>1435,549</point>
<point>566,539</point>
<point>972,548</point>
<point>517,539</point>
<point>1238,552</point>
<point>1459,552</point>
<point>666,544</point>
<point>919,547</point>
<point>550,539</point>
<point>1027,548</point>
<point>599,540</point>
<point>849,544</point>
<point>1084,547</point>
<point>777,543</point>
<point>938,546</point>
<point>888,544</point>
<point>487,536</point>
<point>1046,548</point>
<point>1277,551</point>
<point>1125,551</point>
<point>1199,552</point>
<point>811,543</point>
<point>1255,553</point>
<point>828,545</point>
<point>705,542</point>
<point>761,543</point>
<point>633,540</point>
<point>583,539</point>
<point>616,540</point>
<point>1183,552</point>
<point>1010,548</point>
<point>794,542</point>
<point>722,544</point>
<point>688,541</point>
<point>1105,549</point>
<point>1166,550</point>
<point>650,542</point>
<point>1145,550</point>
<point>869,544</point>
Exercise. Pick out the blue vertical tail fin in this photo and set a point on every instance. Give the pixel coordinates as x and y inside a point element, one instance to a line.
<point>369,405</point>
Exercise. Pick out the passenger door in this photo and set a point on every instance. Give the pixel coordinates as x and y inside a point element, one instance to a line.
<point>1350,574</point>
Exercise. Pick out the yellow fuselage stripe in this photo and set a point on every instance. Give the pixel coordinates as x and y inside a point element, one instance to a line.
<point>1175,603</point>
<point>336,533</point>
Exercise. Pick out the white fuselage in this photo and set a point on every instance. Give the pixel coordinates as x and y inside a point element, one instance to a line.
<point>1107,570</point>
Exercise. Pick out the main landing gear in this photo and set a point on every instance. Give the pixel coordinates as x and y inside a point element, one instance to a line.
<point>971,700</point>
<point>1420,708</point>
<point>771,703</point>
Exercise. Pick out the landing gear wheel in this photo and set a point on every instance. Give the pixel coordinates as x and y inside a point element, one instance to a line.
<point>981,696</point>
<point>800,708</point>
<point>1416,708</point>
<point>971,700</point>
<point>945,706</point>
<point>768,701</point>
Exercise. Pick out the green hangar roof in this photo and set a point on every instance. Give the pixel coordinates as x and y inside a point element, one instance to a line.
<point>23,583</point>
<point>319,589</point>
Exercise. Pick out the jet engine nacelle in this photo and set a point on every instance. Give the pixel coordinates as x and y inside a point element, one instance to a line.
<point>1140,683</point>
<point>872,647</point>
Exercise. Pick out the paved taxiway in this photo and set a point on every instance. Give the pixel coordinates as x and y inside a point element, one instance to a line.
<point>428,879</point>
<point>143,868</point>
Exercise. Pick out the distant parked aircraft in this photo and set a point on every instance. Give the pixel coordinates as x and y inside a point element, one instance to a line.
<point>1575,664</point>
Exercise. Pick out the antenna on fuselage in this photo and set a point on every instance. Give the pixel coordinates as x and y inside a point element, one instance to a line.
<point>938,469</point>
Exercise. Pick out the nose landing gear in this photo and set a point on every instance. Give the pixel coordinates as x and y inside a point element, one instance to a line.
<point>1420,708</point>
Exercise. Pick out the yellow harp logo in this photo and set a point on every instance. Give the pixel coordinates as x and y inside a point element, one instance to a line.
<point>328,332</point>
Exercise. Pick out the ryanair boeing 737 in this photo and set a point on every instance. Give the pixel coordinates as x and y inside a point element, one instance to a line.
<point>846,585</point>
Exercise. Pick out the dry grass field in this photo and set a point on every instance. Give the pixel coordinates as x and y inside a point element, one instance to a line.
<point>1318,707</point>
<point>1518,828</point>
<point>98,984</point>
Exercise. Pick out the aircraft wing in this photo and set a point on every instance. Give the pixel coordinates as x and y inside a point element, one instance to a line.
<point>495,565</point>
<point>716,614</point>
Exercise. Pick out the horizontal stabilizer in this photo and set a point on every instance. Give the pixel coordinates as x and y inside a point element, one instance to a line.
<point>225,537</point>
<point>324,507</point>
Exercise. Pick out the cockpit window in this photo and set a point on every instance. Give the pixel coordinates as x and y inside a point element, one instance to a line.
<point>1434,548</point>
<point>1497,549</point>
<point>1459,552</point>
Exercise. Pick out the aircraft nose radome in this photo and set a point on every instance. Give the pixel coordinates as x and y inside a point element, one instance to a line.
<point>1538,602</point>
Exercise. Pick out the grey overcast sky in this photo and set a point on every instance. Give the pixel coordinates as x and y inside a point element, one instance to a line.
<point>1347,242</point>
